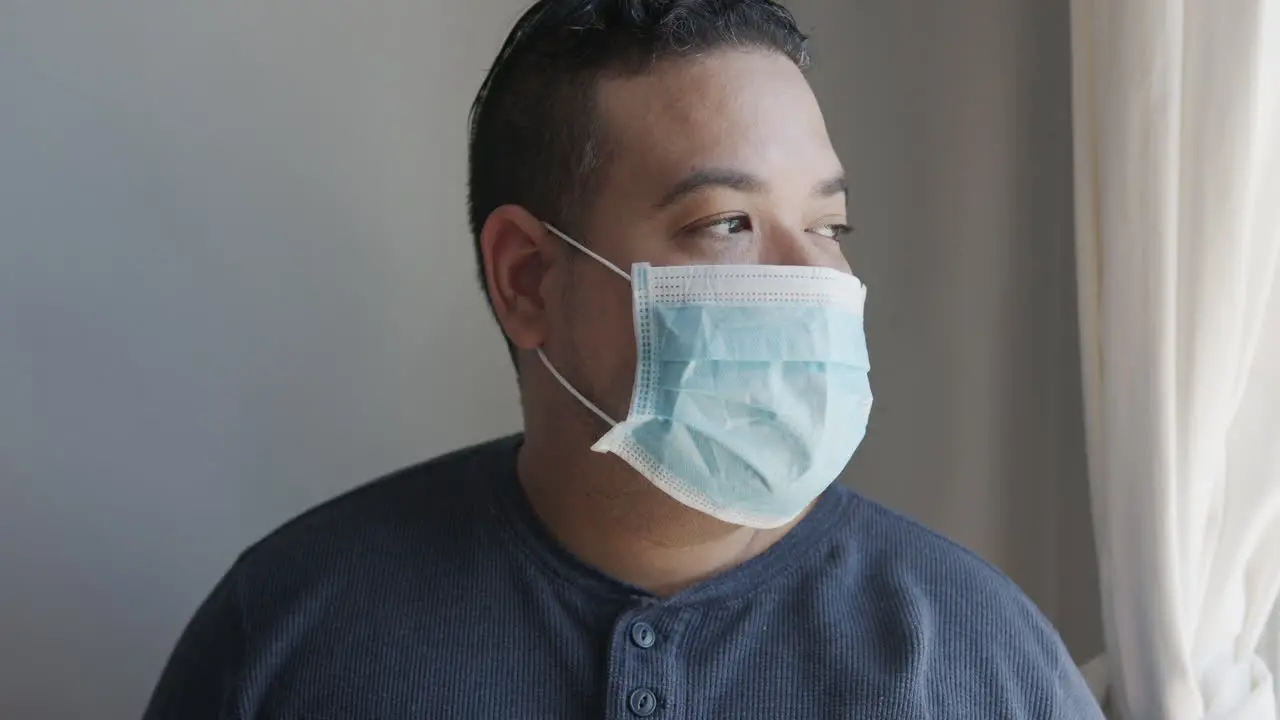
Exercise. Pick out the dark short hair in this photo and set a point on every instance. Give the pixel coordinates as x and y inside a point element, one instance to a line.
<point>533,137</point>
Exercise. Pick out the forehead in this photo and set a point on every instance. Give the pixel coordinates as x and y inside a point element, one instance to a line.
<point>748,110</point>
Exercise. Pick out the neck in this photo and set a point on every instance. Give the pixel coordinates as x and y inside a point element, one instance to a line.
<point>612,518</point>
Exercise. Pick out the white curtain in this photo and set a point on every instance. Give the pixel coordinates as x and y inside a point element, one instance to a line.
<point>1177,133</point>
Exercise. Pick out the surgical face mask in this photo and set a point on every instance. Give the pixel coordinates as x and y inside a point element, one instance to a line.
<point>751,390</point>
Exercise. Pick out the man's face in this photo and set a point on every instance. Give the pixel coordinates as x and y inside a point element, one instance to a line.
<point>719,160</point>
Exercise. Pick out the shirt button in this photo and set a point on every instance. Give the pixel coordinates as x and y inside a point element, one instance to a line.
<point>643,702</point>
<point>642,635</point>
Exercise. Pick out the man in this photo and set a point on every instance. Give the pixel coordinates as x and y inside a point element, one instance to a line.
<point>657,211</point>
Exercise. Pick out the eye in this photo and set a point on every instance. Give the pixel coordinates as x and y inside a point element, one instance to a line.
<point>833,231</point>
<point>727,226</point>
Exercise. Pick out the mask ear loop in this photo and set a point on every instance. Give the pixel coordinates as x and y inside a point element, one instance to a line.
<point>589,253</point>
<point>543,357</point>
<point>573,391</point>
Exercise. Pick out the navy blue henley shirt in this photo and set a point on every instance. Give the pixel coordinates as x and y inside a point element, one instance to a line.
<point>436,593</point>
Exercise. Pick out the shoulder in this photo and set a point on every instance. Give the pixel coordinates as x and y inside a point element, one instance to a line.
<point>442,489</point>
<point>319,583</point>
<point>966,617</point>
<point>417,520</point>
<point>905,557</point>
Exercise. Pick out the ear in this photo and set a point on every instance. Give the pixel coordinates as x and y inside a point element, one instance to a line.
<point>517,258</point>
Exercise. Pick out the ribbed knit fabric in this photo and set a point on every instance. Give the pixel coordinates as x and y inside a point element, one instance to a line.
<point>435,593</point>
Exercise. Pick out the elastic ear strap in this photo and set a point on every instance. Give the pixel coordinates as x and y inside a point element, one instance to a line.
<point>589,405</point>
<point>589,253</point>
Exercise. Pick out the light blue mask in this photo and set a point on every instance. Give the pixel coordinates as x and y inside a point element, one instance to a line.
<point>751,390</point>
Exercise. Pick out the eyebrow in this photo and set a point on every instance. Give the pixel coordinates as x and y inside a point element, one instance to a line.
<point>837,185</point>
<point>712,177</point>
<point>740,181</point>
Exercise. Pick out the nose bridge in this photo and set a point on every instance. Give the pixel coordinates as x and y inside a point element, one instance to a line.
<point>787,246</point>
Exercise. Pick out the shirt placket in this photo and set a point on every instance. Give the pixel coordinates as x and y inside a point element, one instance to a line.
<point>645,658</point>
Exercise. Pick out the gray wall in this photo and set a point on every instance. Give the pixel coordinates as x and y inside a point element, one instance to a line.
<point>235,280</point>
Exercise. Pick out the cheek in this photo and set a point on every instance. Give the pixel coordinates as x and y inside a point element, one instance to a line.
<point>838,260</point>
<point>604,336</point>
